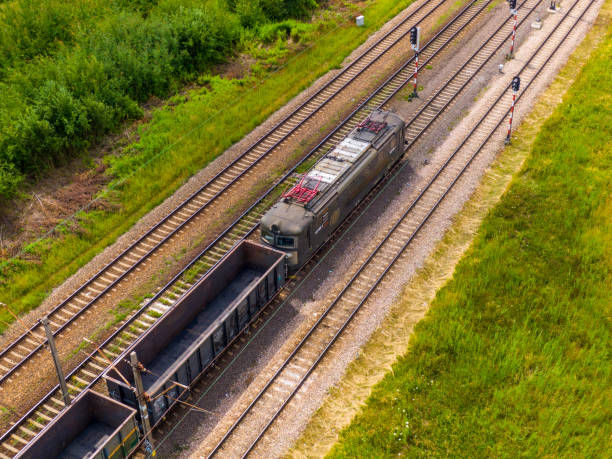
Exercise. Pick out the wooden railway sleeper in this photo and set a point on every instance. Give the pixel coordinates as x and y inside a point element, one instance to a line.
<point>58,402</point>
<point>19,439</point>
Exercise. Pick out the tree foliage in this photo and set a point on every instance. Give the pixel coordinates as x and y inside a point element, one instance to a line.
<point>72,71</point>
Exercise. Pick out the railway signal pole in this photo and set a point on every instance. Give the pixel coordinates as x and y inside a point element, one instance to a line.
<point>142,405</point>
<point>514,12</point>
<point>516,84</point>
<point>415,38</point>
<point>58,366</point>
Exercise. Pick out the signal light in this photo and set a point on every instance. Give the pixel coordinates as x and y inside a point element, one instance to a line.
<point>415,33</point>
<point>413,36</point>
<point>512,4</point>
<point>516,83</point>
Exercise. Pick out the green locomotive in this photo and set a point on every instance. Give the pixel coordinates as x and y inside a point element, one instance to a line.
<point>306,215</point>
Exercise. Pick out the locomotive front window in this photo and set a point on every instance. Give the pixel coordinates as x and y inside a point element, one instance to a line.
<point>268,237</point>
<point>286,242</point>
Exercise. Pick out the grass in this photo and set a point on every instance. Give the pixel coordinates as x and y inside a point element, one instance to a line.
<point>514,355</point>
<point>391,338</point>
<point>443,18</point>
<point>181,139</point>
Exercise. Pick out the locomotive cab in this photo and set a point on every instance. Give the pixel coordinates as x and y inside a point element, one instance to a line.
<point>287,228</point>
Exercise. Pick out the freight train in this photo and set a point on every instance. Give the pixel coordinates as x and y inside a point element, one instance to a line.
<point>174,353</point>
<point>186,340</point>
<point>306,215</point>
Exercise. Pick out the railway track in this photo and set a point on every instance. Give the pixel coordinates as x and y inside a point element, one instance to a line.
<point>442,99</point>
<point>62,316</point>
<point>247,435</point>
<point>88,372</point>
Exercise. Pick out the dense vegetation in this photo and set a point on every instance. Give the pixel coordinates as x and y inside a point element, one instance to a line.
<point>72,71</point>
<point>514,356</point>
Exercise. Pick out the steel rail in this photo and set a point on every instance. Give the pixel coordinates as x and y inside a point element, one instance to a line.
<point>75,315</point>
<point>459,90</point>
<point>114,335</point>
<point>362,106</point>
<point>404,246</point>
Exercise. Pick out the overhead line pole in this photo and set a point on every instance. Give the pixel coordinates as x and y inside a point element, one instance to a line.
<point>142,405</point>
<point>58,366</point>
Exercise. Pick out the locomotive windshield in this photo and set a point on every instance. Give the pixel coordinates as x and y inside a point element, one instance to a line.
<point>285,242</point>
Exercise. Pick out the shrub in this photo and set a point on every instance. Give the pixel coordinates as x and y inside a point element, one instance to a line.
<point>275,10</point>
<point>73,71</point>
<point>10,179</point>
<point>30,28</point>
<point>249,12</point>
<point>52,106</point>
<point>289,28</point>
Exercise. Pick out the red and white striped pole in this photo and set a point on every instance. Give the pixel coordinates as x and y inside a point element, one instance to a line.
<point>516,82</point>
<point>416,73</point>
<point>513,12</point>
<point>513,32</point>
<point>415,38</point>
<point>507,141</point>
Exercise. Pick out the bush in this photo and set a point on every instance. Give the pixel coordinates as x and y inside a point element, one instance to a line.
<point>73,71</point>
<point>51,107</point>
<point>31,28</point>
<point>10,179</point>
<point>288,28</point>
<point>249,12</point>
<point>275,10</point>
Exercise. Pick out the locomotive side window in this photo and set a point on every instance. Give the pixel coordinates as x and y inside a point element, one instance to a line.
<point>286,242</point>
<point>268,237</point>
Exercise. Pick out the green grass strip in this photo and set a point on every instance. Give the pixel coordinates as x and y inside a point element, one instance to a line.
<point>514,356</point>
<point>181,139</point>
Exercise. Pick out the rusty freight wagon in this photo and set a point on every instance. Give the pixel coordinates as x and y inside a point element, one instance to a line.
<point>186,340</point>
<point>93,426</point>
